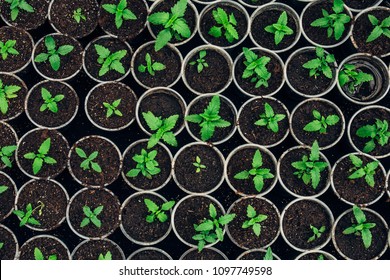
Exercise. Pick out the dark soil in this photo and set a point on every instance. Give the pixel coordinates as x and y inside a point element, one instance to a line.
<point>257,255</point>
<point>61,16</point>
<point>205,254</point>
<point>256,2</point>
<point>110,92</point>
<point>67,107</point>
<point>15,105</point>
<point>48,246</point>
<point>23,45</point>
<point>242,160</point>
<point>149,254</point>
<point>7,198</point>
<point>8,252</point>
<point>261,134</point>
<point>313,257</point>
<point>92,249</point>
<point>93,198</point>
<point>8,137</point>
<point>360,4</point>
<point>297,220</point>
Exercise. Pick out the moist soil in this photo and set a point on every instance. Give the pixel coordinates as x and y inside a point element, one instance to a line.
<point>93,198</point>
<point>292,182</point>
<point>261,134</point>
<point>313,257</point>
<point>8,252</point>
<point>134,219</point>
<point>66,107</point>
<point>23,45</point>
<point>246,238</point>
<point>205,254</point>
<point>368,117</point>
<point>7,198</point>
<point>297,220</point>
<point>7,138</point>
<point>254,256</point>
<point>48,247</point>
<point>212,78</point>
<point>110,92</point>
<point>61,16</point>
<point>352,245</point>
<point>92,249</point>
<point>150,254</point>
<point>15,105</point>
<point>242,160</point>
<point>360,4</point>
<point>130,28</point>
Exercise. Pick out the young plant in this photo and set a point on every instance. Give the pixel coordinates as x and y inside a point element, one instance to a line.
<point>270,119</point>
<point>7,93</point>
<point>146,165</point>
<point>113,108</point>
<point>360,171</point>
<point>120,11</point>
<point>280,28</point>
<point>268,255</point>
<point>361,228</point>
<point>256,69</point>
<point>17,5</point>
<point>78,15</point>
<point>38,255</point>
<point>378,132</point>
<point>353,78</point>
<point>7,48</point>
<point>209,230</point>
<point>6,153</point>
<point>88,162</point>
<point>162,128</point>
<point>226,25</point>
<point>320,64</point>
<point>50,102</point>
<point>53,53</point>
<point>157,212</point>
<point>1,245</point>
<point>3,189</point>
<point>334,23</point>
<point>381,28</point>
<point>259,174</point>
<point>151,66</point>
<point>110,61</point>
<point>106,257</point>
<point>316,233</point>
<point>310,168</point>
<point>91,216</point>
<point>41,157</point>
<point>209,119</point>
<point>321,123</point>
<point>198,164</point>
<point>200,62</point>
<point>174,24</point>
<point>320,257</point>
<point>26,216</point>
<point>254,220</point>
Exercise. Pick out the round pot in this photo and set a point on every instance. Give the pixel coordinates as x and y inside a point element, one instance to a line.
<point>206,254</point>
<point>149,253</point>
<point>10,244</point>
<point>92,249</point>
<point>255,254</point>
<point>7,198</point>
<point>15,105</point>
<point>9,138</point>
<point>315,255</point>
<point>356,8</point>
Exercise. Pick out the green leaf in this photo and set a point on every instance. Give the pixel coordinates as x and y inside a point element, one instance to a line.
<point>98,210</point>
<point>96,221</point>
<point>313,126</point>
<point>250,212</point>
<point>369,146</point>
<point>257,160</point>
<point>215,31</point>
<point>179,8</point>
<point>118,67</point>
<point>102,51</point>
<point>212,211</point>
<point>375,34</point>
<point>181,27</point>
<point>167,205</point>
<point>312,64</point>
<point>55,62</point>
<point>152,121</point>
<point>242,175</point>
<point>205,226</point>
<point>259,183</point>
<point>370,180</point>
<point>366,131</point>
<point>3,189</point>
<point>367,238</point>
<point>81,153</point>
<point>224,220</point>
<point>110,8</point>
<point>338,30</point>
<point>37,165</point>
<point>129,15</point>
<point>152,207</point>
<point>257,229</point>
<point>65,49</point>
<point>84,222</point>
<point>332,119</point>
<point>95,166</point>
<point>170,139</point>
<point>162,39</point>
<point>50,160</point>
<point>50,43</point>
<point>321,22</point>
<point>162,217</point>
<point>315,177</point>
<point>159,18</point>
<point>45,147</point>
<point>359,215</point>
<point>268,255</point>
<point>41,57</point>
<point>356,161</point>
<point>38,254</point>
<point>133,173</point>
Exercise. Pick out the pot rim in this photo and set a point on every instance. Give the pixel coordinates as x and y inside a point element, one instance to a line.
<point>149,248</point>
<point>14,239</point>
<point>326,254</point>
<point>92,240</point>
<point>256,250</point>
<point>210,248</point>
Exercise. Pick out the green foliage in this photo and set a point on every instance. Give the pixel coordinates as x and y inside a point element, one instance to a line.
<point>53,53</point>
<point>1,245</point>
<point>26,216</point>
<point>334,23</point>
<point>174,24</point>
<point>6,153</point>
<point>317,232</point>
<point>17,5</point>
<point>270,119</point>
<point>151,66</point>
<point>88,162</point>
<point>78,15</point>
<point>113,108</point>
<point>258,174</point>
<point>162,128</point>
<point>254,220</point>
<point>361,228</point>
<point>157,212</point>
<point>209,119</point>
<point>110,61</point>
<point>256,68</point>
<point>360,171</point>
<point>6,93</point>
<point>381,28</point>
<point>320,257</point>
<point>209,230</point>
<point>378,132</point>
<point>226,25</point>
<point>7,48</point>
<point>106,257</point>
<point>353,77</point>
<point>120,11</point>
<point>38,255</point>
<point>310,168</point>
<point>198,164</point>
<point>268,255</point>
<point>50,102</point>
<point>321,123</point>
<point>91,216</point>
<point>200,62</point>
<point>41,157</point>
<point>320,64</point>
<point>146,165</point>
<point>3,189</point>
<point>280,28</point>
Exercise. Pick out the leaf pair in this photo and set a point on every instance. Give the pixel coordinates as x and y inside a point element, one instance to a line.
<point>256,69</point>
<point>6,154</point>
<point>270,119</point>
<point>320,64</point>
<point>360,170</point>
<point>162,128</point>
<point>53,53</point>
<point>353,77</point>
<point>151,66</point>
<point>7,48</point>
<point>280,28</point>
<point>106,257</point>
<point>17,5</point>
<point>146,165</point>
<point>41,157</point>
<point>381,28</point>
<point>254,220</point>
<point>91,216</point>
<point>110,61</point>
<point>199,166</point>
<point>7,92</point>
<point>378,132</point>
<point>113,108</point>
<point>321,123</point>
<point>226,25</point>
<point>50,102</point>
<point>157,212</point>
<point>120,11</point>
<point>88,162</point>
<point>38,255</point>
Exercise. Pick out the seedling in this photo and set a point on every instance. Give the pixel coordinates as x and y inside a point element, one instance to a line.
<point>378,132</point>
<point>254,220</point>
<point>106,257</point>
<point>38,255</point>
<point>209,119</point>
<point>209,230</point>
<point>146,165</point>
<point>321,123</point>
<point>88,162</point>
<point>162,128</point>
<point>157,212</point>
<point>268,255</point>
<point>110,61</point>
<point>26,216</point>
<point>316,233</point>
<point>320,64</point>
<point>78,15</point>
<point>6,153</point>
<point>334,23</point>
<point>3,189</point>
<point>270,119</point>
<point>53,53</point>
<point>151,66</point>
<point>41,157</point>
<point>361,228</point>
<point>50,102</point>
<point>353,77</point>
<point>198,164</point>
<point>91,216</point>
<point>310,168</point>
<point>113,108</point>
<point>174,24</point>
<point>280,28</point>
<point>359,170</point>
<point>7,48</point>
<point>200,62</point>
<point>258,174</point>
<point>1,245</point>
<point>120,11</point>
<point>7,93</point>
<point>320,257</point>
<point>17,5</point>
<point>256,69</point>
<point>226,25</point>
<point>381,28</point>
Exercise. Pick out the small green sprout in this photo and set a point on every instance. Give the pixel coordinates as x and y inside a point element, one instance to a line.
<point>7,92</point>
<point>113,108</point>
<point>360,171</point>
<point>38,255</point>
<point>225,24</point>
<point>270,119</point>
<point>91,216</point>
<point>156,212</point>
<point>106,257</point>
<point>361,228</point>
<point>1,245</point>
<point>200,62</point>
<point>353,77</point>
<point>280,29</point>
<point>378,132</point>
<point>120,12</point>
<point>26,216</point>
<point>268,255</point>
<point>254,220</point>
<point>3,189</point>
<point>198,164</point>
<point>7,48</point>
<point>146,165</point>
<point>78,15</point>
<point>320,64</point>
<point>321,123</point>
<point>88,162</point>
<point>256,69</point>
<point>151,66</point>
<point>317,232</point>
<point>6,153</point>
<point>41,157</point>
<point>110,61</point>
<point>17,5</point>
<point>50,102</point>
<point>381,28</point>
<point>320,257</point>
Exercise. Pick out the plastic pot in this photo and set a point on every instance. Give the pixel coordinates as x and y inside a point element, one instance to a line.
<point>136,253</point>
<point>9,251</point>
<point>187,254</point>
<point>255,254</point>
<point>92,247</point>
<point>325,254</point>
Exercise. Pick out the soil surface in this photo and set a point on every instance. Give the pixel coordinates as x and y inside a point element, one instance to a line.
<point>360,4</point>
<point>205,254</point>
<point>48,247</point>
<point>7,138</point>
<point>149,255</point>
<point>92,249</point>
<point>8,252</point>
<point>314,257</point>
<point>7,198</point>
